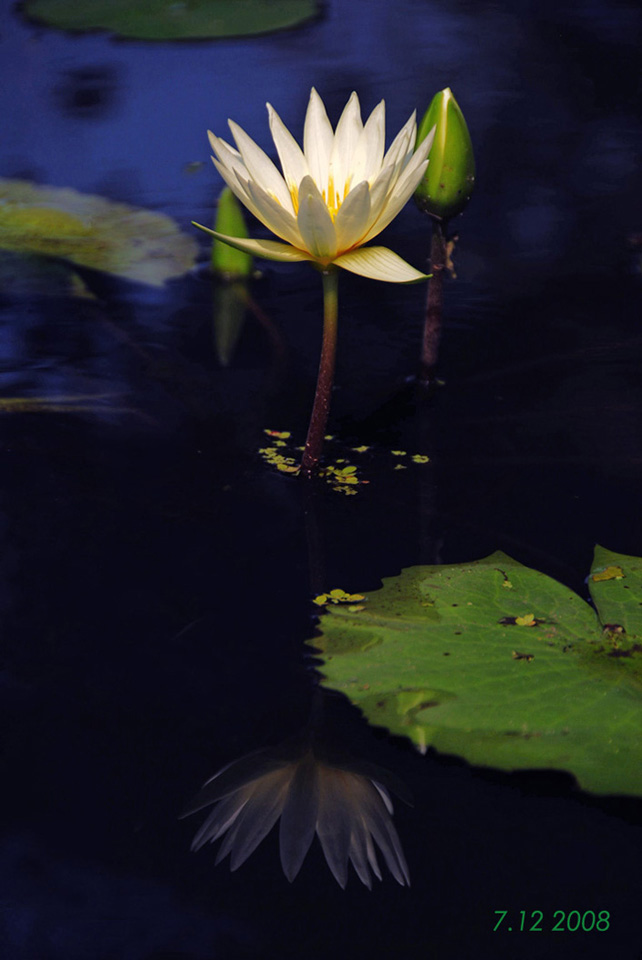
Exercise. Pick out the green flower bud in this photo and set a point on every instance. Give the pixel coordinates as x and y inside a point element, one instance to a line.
<point>450,177</point>
<point>228,262</point>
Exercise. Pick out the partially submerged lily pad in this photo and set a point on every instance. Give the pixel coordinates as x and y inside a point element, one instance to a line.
<point>501,665</point>
<point>93,232</point>
<point>173,19</point>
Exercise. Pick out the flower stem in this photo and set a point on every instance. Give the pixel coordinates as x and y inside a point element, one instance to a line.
<point>434,305</point>
<point>320,410</point>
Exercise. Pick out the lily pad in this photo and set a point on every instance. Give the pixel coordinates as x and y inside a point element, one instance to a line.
<point>94,232</point>
<point>501,665</point>
<point>173,19</point>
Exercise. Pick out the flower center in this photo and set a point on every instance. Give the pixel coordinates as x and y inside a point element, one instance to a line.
<point>331,197</point>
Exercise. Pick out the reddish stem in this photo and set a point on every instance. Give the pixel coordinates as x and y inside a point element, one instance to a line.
<point>321,408</point>
<point>434,305</point>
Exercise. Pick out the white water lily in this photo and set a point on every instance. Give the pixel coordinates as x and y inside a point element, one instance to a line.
<point>333,196</point>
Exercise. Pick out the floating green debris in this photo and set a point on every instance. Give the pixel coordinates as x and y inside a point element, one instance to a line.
<point>338,596</point>
<point>94,232</point>
<point>528,620</point>
<point>173,19</point>
<point>609,573</point>
<point>340,472</point>
<point>433,658</point>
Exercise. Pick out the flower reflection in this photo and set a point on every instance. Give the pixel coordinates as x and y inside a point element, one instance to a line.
<point>346,805</point>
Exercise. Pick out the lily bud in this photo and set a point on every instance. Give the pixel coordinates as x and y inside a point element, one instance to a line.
<point>448,182</point>
<point>228,262</point>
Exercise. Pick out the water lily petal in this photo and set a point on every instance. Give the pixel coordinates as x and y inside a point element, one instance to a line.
<point>267,249</point>
<point>264,208</point>
<point>315,222</point>
<point>226,154</point>
<point>403,143</point>
<point>275,217</point>
<point>380,193</point>
<point>352,220</point>
<point>379,263</point>
<point>405,180</point>
<point>293,162</point>
<point>317,140</point>
<point>404,189</point>
<point>260,167</point>
<point>413,160</point>
<point>368,155</point>
<point>411,174</point>
<point>346,138</point>
<point>427,143</point>
<point>237,185</point>
<point>228,161</point>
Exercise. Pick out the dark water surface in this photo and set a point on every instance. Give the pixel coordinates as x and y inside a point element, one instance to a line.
<point>155,576</point>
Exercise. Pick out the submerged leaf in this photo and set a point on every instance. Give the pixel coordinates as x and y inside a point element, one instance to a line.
<point>173,19</point>
<point>93,232</point>
<point>229,308</point>
<point>229,263</point>
<point>433,658</point>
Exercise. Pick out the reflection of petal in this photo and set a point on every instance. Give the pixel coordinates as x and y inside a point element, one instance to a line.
<point>299,820</point>
<point>334,826</point>
<point>347,808</point>
<point>256,819</point>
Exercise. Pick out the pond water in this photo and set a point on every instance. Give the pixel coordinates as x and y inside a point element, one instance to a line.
<point>157,574</point>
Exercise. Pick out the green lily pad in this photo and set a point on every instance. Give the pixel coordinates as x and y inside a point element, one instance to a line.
<point>93,232</point>
<point>502,665</point>
<point>173,19</point>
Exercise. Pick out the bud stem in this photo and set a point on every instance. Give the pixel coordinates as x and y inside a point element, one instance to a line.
<point>434,304</point>
<point>321,408</point>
